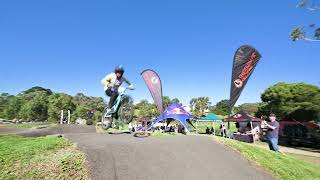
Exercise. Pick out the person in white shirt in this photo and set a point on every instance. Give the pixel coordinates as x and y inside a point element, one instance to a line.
<point>111,84</point>
<point>130,127</point>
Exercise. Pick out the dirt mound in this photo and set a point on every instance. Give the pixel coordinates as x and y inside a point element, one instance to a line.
<point>5,130</point>
<point>61,129</point>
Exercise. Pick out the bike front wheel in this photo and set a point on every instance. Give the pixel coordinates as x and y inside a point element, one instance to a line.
<point>126,110</point>
<point>142,134</point>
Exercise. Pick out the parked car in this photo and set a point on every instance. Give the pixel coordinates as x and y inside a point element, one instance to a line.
<point>299,133</point>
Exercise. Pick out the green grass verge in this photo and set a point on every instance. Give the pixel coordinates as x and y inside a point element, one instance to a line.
<point>202,126</point>
<point>40,158</point>
<point>282,166</point>
<point>311,159</point>
<point>162,135</point>
<point>100,130</point>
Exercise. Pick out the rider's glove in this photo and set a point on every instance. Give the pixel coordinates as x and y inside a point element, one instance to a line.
<point>131,87</point>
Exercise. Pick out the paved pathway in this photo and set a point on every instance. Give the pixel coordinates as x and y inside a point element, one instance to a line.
<point>123,157</point>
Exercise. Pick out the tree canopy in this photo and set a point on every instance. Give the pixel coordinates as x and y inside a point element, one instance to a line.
<point>250,108</point>
<point>312,31</point>
<point>146,109</point>
<point>58,102</point>
<point>38,89</point>
<point>221,108</point>
<point>199,105</point>
<point>297,101</point>
<point>41,104</point>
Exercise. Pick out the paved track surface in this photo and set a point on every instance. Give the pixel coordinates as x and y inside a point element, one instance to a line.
<point>124,157</point>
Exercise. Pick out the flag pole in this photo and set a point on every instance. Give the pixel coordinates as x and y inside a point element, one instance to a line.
<point>229,115</point>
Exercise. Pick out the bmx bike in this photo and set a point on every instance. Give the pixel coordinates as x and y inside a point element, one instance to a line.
<point>123,111</point>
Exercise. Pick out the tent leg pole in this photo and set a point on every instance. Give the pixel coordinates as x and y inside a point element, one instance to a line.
<point>229,121</point>
<point>214,128</point>
<point>196,127</point>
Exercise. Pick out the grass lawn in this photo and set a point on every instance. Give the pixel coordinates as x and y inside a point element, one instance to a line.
<point>162,135</point>
<point>100,130</point>
<point>300,154</point>
<point>40,158</point>
<point>284,167</point>
<point>202,126</point>
<point>310,159</point>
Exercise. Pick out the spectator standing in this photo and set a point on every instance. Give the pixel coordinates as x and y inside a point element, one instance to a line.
<point>272,132</point>
<point>207,130</point>
<point>130,127</point>
<point>213,131</point>
<point>223,130</point>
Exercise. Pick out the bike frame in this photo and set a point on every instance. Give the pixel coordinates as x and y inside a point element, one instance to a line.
<point>119,98</point>
<point>118,101</point>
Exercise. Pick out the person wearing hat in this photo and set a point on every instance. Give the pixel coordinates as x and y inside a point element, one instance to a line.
<point>111,84</point>
<point>272,132</point>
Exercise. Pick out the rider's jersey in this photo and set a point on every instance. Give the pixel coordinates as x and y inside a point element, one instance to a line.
<point>111,82</point>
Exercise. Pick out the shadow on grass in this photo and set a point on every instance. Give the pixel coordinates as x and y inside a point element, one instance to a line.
<point>120,132</point>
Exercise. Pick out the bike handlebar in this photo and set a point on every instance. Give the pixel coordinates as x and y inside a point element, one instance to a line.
<point>122,89</point>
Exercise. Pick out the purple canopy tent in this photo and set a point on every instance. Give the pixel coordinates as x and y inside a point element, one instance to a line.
<point>175,111</point>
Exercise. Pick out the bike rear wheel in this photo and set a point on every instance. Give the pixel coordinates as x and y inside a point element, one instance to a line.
<point>106,121</point>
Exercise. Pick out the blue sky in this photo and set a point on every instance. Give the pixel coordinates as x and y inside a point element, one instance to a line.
<point>68,46</point>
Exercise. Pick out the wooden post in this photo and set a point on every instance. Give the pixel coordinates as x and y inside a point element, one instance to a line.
<point>69,116</point>
<point>252,132</point>
<point>61,117</point>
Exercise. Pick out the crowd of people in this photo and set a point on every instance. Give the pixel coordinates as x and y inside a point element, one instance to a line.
<point>269,129</point>
<point>170,129</point>
<point>161,129</point>
<point>223,130</point>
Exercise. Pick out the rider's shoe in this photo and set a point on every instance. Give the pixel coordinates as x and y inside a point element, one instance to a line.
<point>109,112</point>
<point>107,115</point>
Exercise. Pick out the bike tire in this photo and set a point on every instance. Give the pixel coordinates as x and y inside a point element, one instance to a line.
<point>106,122</point>
<point>142,134</point>
<point>126,110</point>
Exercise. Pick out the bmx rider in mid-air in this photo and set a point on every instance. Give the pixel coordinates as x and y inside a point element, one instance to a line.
<point>111,84</point>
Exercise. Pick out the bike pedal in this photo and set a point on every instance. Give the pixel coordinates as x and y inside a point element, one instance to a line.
<point>108,115</point>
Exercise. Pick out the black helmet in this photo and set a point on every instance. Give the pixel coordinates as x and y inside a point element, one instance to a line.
<point>119,69</point>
